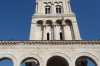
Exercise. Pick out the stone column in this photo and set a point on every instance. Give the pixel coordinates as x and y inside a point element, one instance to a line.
<point>44,28</point>
<point>76,31</point>
<point>69,7</point>
<point>42,32</point>
<point>72,31</point>
<point>52,8</point>
<point>51,32</point>
<point>64,30</point>
<point>36,7</point>
<point>64,7</point>
<point>54,32</point>
<point>68,33</point>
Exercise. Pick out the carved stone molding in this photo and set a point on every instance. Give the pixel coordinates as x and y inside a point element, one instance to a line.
<point>68,42</point>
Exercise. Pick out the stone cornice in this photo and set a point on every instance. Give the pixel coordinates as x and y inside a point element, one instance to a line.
<point>68,42</point>
<point>53,15</point>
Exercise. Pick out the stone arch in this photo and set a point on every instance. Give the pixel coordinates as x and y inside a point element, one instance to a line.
<point>68,21</point>
<point>58,54</point>
<point>48,9</point>
<point>30,55</point>
<point>60,1</point>
<point>45,3</point>
<point>59,22</point>
<point>40,22</point>
<point>94,58</point>
<point>56,2</point>
<point>9,56</point>
<point>49,22</point>
<point>49,3</point>
<point>58,8</point>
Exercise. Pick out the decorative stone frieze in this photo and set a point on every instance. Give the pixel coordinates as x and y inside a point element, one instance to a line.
<point>68,42</point>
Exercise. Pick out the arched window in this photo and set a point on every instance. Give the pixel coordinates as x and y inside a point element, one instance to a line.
<point>49,22</point>
<point>47,9</point>
<point>30,62</point>
<point>40,22</point>
<point>58,9</point>
<point>6,62</point>
<point>47,36</point>
<point>69,22</point>
<point>85,61</point>
<point>57,61</point>
<point>59,22</point>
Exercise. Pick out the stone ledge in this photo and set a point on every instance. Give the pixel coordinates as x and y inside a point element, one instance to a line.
<point>53,15</point>
<point>67,42</point>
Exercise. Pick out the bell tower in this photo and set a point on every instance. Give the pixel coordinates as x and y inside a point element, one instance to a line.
<point>54,20</point>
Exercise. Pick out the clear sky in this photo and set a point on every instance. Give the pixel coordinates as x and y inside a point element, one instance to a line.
<point>16,15</point>
<point>15,18</point>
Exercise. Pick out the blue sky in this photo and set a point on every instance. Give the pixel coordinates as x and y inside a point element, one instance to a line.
<point>15,18</point>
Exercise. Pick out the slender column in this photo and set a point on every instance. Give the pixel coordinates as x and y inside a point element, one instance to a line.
<point>68,33</point>
<point>76,31</point>
<point>44,28</point>
<point>69,7</point>
<point>36,7</point>
<point>42,32</point>
<point>72,31</point>
<point>64,7</point>
<point>64,30</point>
<point>52,8</point>
<point>51,32</point>
<point>54,32</point>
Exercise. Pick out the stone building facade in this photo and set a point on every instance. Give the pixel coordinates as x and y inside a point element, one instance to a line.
<point>54,39</point>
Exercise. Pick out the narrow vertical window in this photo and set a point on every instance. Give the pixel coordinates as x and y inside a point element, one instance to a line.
<point>60,35</point>
<point>57,10</point>
<point>45,10</point>
<point>48,10</point>
<point>47,36</point>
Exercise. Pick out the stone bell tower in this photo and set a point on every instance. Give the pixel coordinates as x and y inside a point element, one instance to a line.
<point>54,20</point>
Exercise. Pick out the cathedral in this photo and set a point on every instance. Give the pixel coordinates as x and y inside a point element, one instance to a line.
<point>54,39</point>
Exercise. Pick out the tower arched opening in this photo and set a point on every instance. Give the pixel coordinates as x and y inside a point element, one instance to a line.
<point>49,22</point>
<point>40,29</point>
<point>58,9</point>
<point>30,61</point>
<point>59,22</point>
<point>60,1</point>
<point>85,61</point>
<point>6,61</point>
<point>60,29</point>
<point>47,9</point>
<point>49,30</point>
<point>57,61</point>
<point>68,22</point>
<point>39,22</point>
